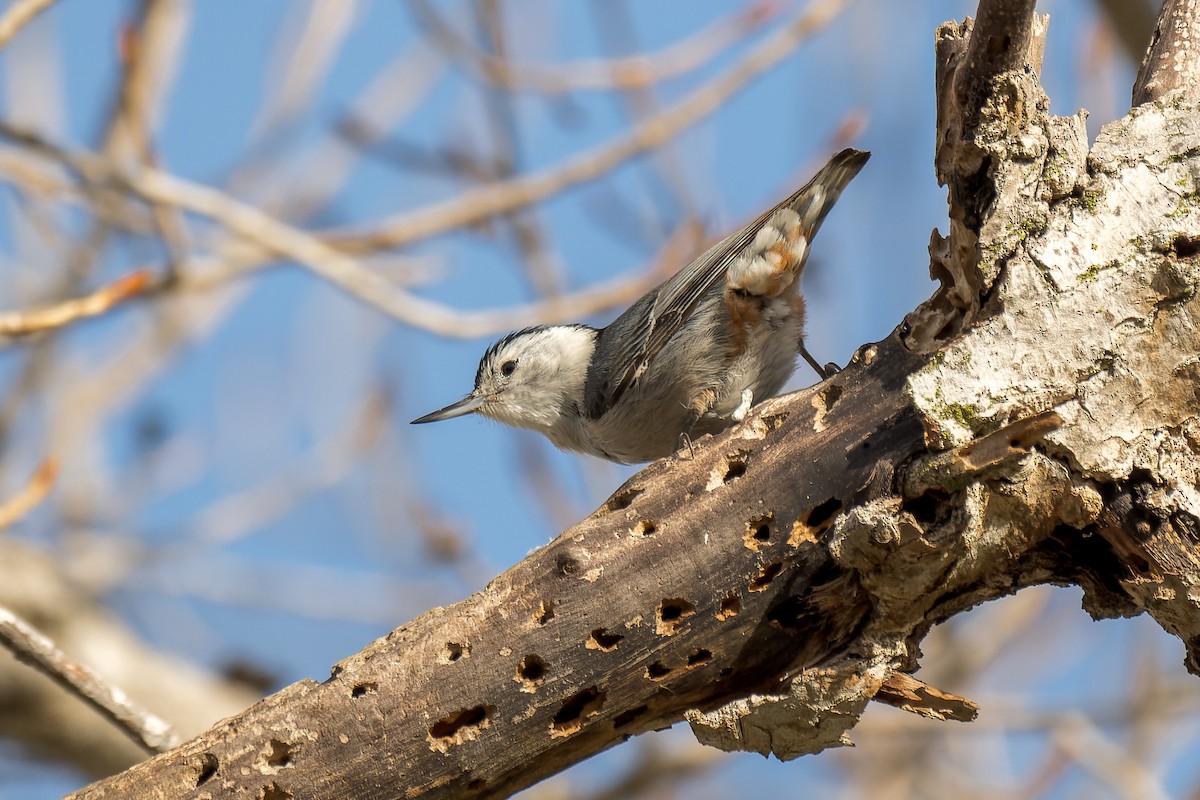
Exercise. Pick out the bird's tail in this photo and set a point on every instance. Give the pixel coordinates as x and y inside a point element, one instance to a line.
<point>814,199</point>
<point>770,253</point>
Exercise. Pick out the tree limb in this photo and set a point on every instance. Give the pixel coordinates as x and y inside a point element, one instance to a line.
<point>33,648</point>
<point>23,323</point>
<point>18,15</point>
<point>1172,61</point>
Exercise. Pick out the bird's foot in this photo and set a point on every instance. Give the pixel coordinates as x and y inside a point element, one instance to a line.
<point>827,371</point>
<point>743,408</point>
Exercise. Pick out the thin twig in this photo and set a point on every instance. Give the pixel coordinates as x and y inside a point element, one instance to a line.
<point>617,31</point>
<point>32,647</point>
<point>1108,761</point>
<point>19,14</point>
<point>283,240</point>
<point>487,201</point>
<point>302,58</point>
<point>33,493</point>
<point>330,262</point>
<point>21,323</point>
<point>541,263</point>
<point>631,72</point>
<point>347,273</point>
<point>148,54</point>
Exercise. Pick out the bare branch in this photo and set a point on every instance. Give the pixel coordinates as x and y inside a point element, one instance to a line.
<point>33,648</point>
<point>31,495</point>
<point>22,323</point>
<point>18,15</point>
<point>487,201</point>
<point>633,72</point>
<point>1172,61</point>
<point>280,239</point>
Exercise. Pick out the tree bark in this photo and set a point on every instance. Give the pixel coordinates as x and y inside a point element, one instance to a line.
<point>1034,422</point>
<point>1172,62</point>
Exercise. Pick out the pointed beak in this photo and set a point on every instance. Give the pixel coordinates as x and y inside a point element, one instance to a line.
<point>467,405</point>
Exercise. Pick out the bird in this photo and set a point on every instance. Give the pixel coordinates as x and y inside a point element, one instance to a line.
<point>689,358</point>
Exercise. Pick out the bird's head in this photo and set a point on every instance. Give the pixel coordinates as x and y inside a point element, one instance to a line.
<point>529,379</point>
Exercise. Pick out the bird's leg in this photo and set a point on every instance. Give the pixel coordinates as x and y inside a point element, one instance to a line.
<point>827,371</point>
<point>686,441</point>
<point>685,436</point>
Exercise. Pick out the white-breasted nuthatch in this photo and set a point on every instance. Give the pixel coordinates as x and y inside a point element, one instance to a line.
<point>688,358</point>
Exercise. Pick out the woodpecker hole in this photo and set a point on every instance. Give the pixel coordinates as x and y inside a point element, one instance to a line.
<point>822,514</point>
<point>735,467</point>
<point>699,658</point>
<point>646,527</point>
<point>544,613</point>
<point>773,421</point>
<point>923,508</point>
<point>461,727</point>
<point>672,611</point>
<point>767,574</point>
<point>531,672</point>
<point>626,717</point>
<point>278,754</point>
<point>657,671</point>
<point>822,403</point>
<point>1186,246</point>
<point>758,531</point>
<point>206,766</point>
<point>622,499</point>
<point>816,521</point>
<point>789,614</point>
<point>363,689</point>
<point>725,673</point>
<point>831,394</point>
<point>575,710</point>
<point>273,791</point>
<point>729,470</point>
<point>603,640</point>
<point>454,651</point>
<point>567,565</point>
<point>730,607</point>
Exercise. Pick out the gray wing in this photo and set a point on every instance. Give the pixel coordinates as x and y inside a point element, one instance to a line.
<point>627,346</point>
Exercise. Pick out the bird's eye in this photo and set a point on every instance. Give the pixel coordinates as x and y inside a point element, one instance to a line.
<point>508,368</point>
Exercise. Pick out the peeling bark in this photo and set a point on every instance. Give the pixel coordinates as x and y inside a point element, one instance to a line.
<point>1036,421</point>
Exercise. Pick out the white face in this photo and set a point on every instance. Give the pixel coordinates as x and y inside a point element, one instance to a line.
<point>530,378</point>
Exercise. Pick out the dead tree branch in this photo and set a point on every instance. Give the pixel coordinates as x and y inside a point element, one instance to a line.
<point>23,323</point>
<point>1172,62</point>
<point>33,648</point>
<point>18,15</point>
